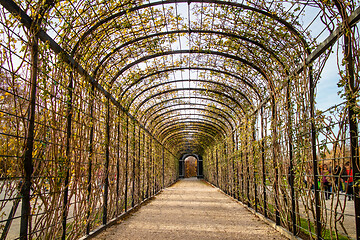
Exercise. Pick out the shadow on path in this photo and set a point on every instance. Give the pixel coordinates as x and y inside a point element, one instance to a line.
<point>191,209</point>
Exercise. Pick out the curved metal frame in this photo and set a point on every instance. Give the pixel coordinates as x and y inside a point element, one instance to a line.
<point>192,114</point>
<point>153,4</point>
<point>231,35</point>
<point>186,80</point>
<point>202,131</point>
<point>200,109</point>
<point>192,127</point>
<point>187,104</point>
<point>202,141</point>
<point>190,109</point>
<point>180,98</point>
<point>270,15</point>
<point>190,89</point>
<point>173,123</point>
<point>192,68</point>
<point>195,132</point>
<point>189,51</point>
<point>265,13</point>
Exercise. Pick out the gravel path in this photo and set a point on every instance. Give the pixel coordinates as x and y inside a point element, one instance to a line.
<point>191,209</point>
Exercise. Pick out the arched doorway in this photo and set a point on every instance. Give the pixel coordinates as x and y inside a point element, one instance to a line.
<point>190,167</point>
<point>190,163</point>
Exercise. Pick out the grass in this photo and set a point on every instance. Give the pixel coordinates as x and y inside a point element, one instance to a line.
<point>326,233</point>
<point>305,229</point>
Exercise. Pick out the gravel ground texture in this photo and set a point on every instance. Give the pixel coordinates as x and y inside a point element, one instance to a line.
<point>191,209</point>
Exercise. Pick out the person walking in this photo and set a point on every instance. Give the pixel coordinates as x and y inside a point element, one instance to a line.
<point>326,181</point>
<point>347,178</point>
<point>337,179</point>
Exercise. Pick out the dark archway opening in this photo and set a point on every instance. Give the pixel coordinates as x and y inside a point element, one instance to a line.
<point>191,165</point>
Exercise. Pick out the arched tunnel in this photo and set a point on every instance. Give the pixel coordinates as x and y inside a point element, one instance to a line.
<point>102,101</point>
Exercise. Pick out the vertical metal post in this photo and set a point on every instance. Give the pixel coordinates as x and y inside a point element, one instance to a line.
<point>254,166</point>
<point>214,165</point>
<point>291,161</point>
<point>226,169</point>
<point>29,144</point>
<point>118,165</point>
<point>247,168</point>
<point>233,187</point>
<point>133,167</point>
<point>242,176</point>
<point>151,185</point>
<point>353,125</point>
<point>139,166</point>
<point>144,168</point>
<point>107,160</point>
<point>275,165</point>
<point>148,169</point>
<point>68,154</point>
<point>163,167</point>
<point>263,135</point>
<point>197,167</point>
<point>152,160</point>
<point>221,168</point>
<point>91,155</point>
<point>217,167</point>
<point>126,164</point>
<point>181,167</point>
<point>351,90</point>
<point>247,176</point>
<point>210,160</point>
<point>314,157</point>
<point>237,167</point>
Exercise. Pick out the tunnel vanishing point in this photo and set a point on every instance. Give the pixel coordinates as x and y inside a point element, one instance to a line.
<point>102,101</point>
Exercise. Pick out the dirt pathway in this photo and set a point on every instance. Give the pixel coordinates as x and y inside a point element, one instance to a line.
<point>191,209</point>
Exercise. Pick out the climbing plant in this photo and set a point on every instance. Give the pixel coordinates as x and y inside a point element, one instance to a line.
<point>100,99</point>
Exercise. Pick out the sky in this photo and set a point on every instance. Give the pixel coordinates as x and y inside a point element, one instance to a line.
<point>327,89</point>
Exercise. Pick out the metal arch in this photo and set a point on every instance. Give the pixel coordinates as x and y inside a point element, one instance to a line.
<point>190,114</point>
<point>193,68</point>
<point>198,127</point>
<point>184,133</point>
<point>233,4</point>
<point>183,104</point>
<point>183,136</point>
<point>191,120</point>
<point>225,127</point>
<point>189,51</point>
<point>192,97</point>
<point>173,123</point>
<point>181,152</point>
<point>188,124</point>
<point>186,155</point>
<point>200,109</point>
<point>189,104</point>
<point>184,143</point>
<point>185,146</point>
<point>191,89</point>
<point>231,35</point>
<point>186,80</point>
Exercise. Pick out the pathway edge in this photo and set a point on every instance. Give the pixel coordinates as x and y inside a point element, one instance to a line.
<point>280,229</point>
